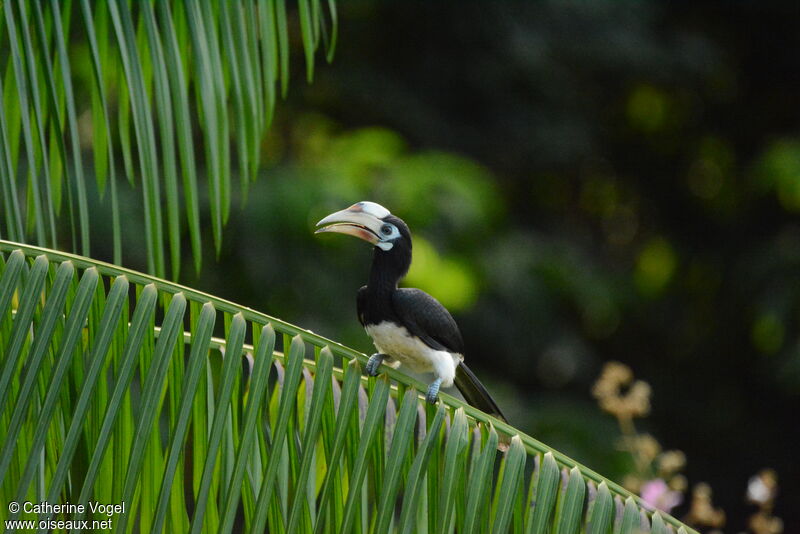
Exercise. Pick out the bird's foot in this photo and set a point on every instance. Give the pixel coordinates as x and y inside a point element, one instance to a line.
<point>433,391</point>
<point>373,363</point>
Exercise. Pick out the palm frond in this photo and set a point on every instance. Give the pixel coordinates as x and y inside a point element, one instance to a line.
<point>162,71</point>
<point>114,389</point>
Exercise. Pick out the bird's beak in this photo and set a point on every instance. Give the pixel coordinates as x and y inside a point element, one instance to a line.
<point>352,221</point>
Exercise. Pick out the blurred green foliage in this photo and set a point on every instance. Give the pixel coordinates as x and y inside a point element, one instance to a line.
<point>648,109</point>
<point>779,168</point>
<point>584,182</point>
<point>655,267</point>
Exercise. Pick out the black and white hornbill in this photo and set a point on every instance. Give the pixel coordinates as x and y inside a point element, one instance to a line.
<point>407,326</point>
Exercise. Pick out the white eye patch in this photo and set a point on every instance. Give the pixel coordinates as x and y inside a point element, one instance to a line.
<point>388,233</point>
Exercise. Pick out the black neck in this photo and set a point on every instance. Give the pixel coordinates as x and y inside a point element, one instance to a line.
<point>388,268</point>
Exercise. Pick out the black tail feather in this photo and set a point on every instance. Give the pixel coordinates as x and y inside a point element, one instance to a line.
<point>475,393</point>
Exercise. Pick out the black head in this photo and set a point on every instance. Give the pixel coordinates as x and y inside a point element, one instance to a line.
<point>396,248</point>
<point>393,233</point>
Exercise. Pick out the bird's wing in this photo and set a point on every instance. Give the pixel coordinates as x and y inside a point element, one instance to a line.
<point>427,319</point>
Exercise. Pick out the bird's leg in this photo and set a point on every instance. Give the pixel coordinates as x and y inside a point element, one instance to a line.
<point>433,391</point>
<point>373,363</point>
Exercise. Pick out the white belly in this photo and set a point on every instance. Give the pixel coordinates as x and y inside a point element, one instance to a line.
<point>397,342</point>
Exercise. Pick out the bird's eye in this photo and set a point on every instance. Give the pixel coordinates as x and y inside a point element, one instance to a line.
<point>386,229</point>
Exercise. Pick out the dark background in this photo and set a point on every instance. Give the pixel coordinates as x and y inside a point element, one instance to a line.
<point>585,182</point>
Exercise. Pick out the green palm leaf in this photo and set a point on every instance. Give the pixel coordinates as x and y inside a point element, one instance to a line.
<point>158,70</point>
<point>313,447</point>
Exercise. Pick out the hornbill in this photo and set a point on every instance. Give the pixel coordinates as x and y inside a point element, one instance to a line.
<point>407,326</point>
